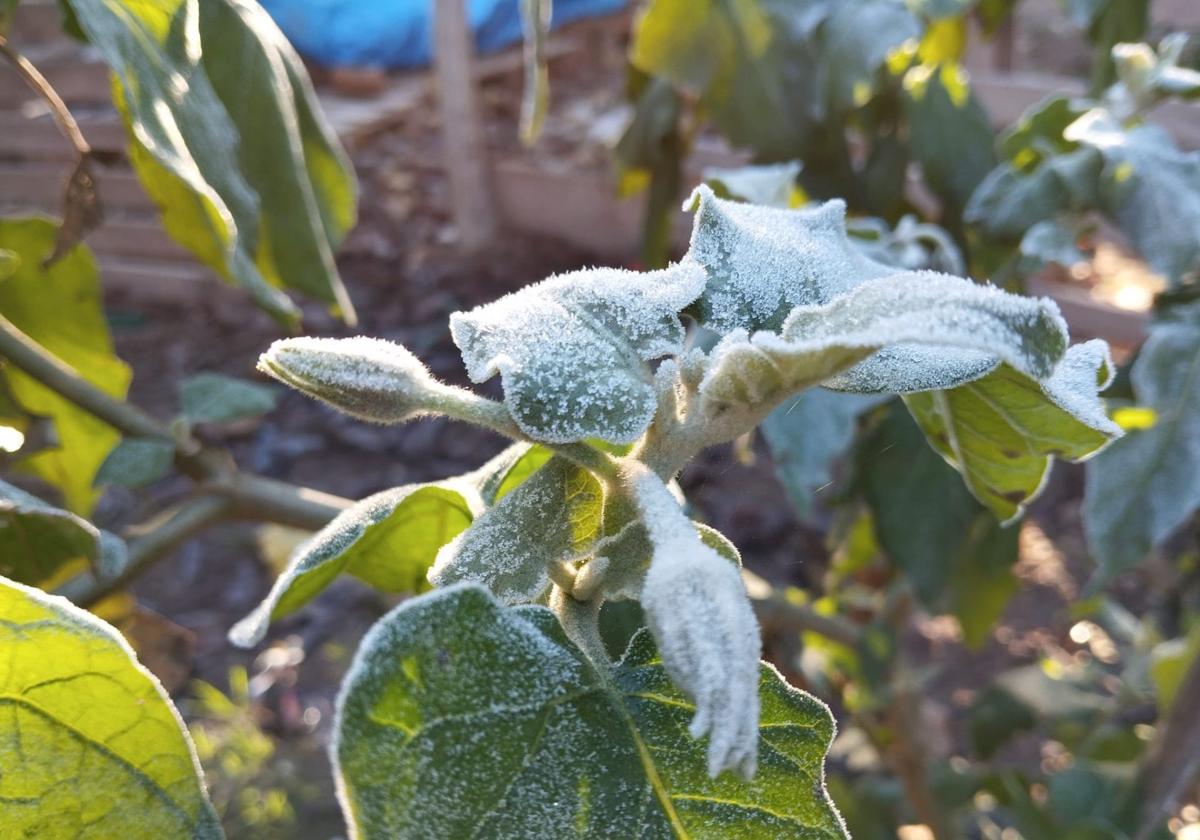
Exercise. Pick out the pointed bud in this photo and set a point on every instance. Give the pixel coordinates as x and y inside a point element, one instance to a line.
<point>367,378</point>
<point>698,610</point>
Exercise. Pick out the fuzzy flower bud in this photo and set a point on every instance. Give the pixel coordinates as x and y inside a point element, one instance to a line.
<point>367,378</point>
<point>697,608</point>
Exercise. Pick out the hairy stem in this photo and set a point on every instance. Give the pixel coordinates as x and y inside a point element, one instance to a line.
<point>580,620</point>
<point>42,87</point>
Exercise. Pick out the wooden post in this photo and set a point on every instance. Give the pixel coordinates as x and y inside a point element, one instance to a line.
<point>463,146</point>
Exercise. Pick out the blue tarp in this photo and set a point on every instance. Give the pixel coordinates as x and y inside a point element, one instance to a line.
<point>399,33</point>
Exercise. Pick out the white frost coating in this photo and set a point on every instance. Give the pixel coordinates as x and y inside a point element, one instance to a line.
<point>819,342</point>
<point>571,350</point>
<point>368,378</point>
<point>768,184</point>
<point>697,608</point>
<point>1075,386</point>
<point>762,262</point>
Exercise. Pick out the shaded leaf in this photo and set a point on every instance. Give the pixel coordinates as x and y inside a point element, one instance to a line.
<point>90,742</point>
<point>455,699</point>
<point>1003,431</point>
<point>806,435</point>
<point>213,398</point>
<point>551,517</point>
<point>388,540</point>
<point>60,308</point>
<point>136,462</point>
<point>548,340</point>
<point>82,212</point>
<point>1147,484</point>
<point>952,550</point>
<point>38,540</point>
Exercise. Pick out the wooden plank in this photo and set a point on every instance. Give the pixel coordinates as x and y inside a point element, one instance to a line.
<point>131,238</point>
<point>75,71</point>
<point>1088,317</point>
<point>39,138</point>
<point>463,144</point>
<point>35,22</point>
<point>40,186</point>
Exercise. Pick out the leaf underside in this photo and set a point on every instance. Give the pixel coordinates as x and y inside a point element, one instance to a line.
<point>90,744</point>
<point>463,718</point>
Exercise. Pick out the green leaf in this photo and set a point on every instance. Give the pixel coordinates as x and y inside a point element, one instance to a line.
<point>60,308</point>
<point>994,717</point>
<point>548,340</point>
<point>1147,484</point>
<point>460,716</point>
<point>388,540</point>
<point>806,435</point>
<point>213,398</point>
<point>91,745</point>
<point>226,137</point>
<point>952,140</point>
<point>1003,431</point>
<point>549,518</point>
<point>771,184</point>
<point>952,550</point>
<point>38,540</point>
<point>8,8</point>
<point>859,36</point>
<point>136,462</point>
<point>1150,189</point>
<point>741,59</point>
<point>524,461</point>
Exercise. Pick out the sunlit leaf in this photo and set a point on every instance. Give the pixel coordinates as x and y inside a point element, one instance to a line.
<point>90,743</point>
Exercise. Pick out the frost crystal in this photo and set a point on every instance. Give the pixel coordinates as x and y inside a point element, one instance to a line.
<point>571,350</point>
<point>763,262</point>
<point>697,608</point>
<point>948,313</point>
<point>367,378</point>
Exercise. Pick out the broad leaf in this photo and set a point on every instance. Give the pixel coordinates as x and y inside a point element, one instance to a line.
<point>509,470</point>
<point>773,185</point>
<point>1147,484</point>
<point>740,59</point>
<point>548,341</point>
<point>213,398</point>
<point>549,518</point>
<point>37,540</point>
<point>388,540</point>
<point>60,308</point>
<point>90,743</point>
<point>226,136</point>
<point>859,36</point>
<point>1150,189</point>
<point>953,551</point>
<point>462,717</point>
<point>136,462</point>
<point>1002,432</point>
<point>806,435</point>
<point>945,314</point>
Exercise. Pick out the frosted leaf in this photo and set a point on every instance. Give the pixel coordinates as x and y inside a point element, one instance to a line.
<point>698,610</point>
<point>819,342</point>
<point>762,262</point>
<point>38,539</point>
<point>367,378</point>
<point>1147,485</point>
<point>462,718</point>
<point>388,540</point>
<point>769,184</point>
<point>1003,432</point>
<point>549,518</point>
<point>571,351</point>
<point>509,470</point>
<point>90,744</point>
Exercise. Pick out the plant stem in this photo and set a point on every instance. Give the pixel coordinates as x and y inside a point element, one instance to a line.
<point>160,537</point>
<point>42,87</point>
<point>1173,761</point>
<point>580,620</point>
<point>773,607</point>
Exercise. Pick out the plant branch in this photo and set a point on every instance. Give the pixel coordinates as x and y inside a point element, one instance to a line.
<point>772,606</point>
<point>42,87</point>
<point>151,542</point>
<point>1173,761</point>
